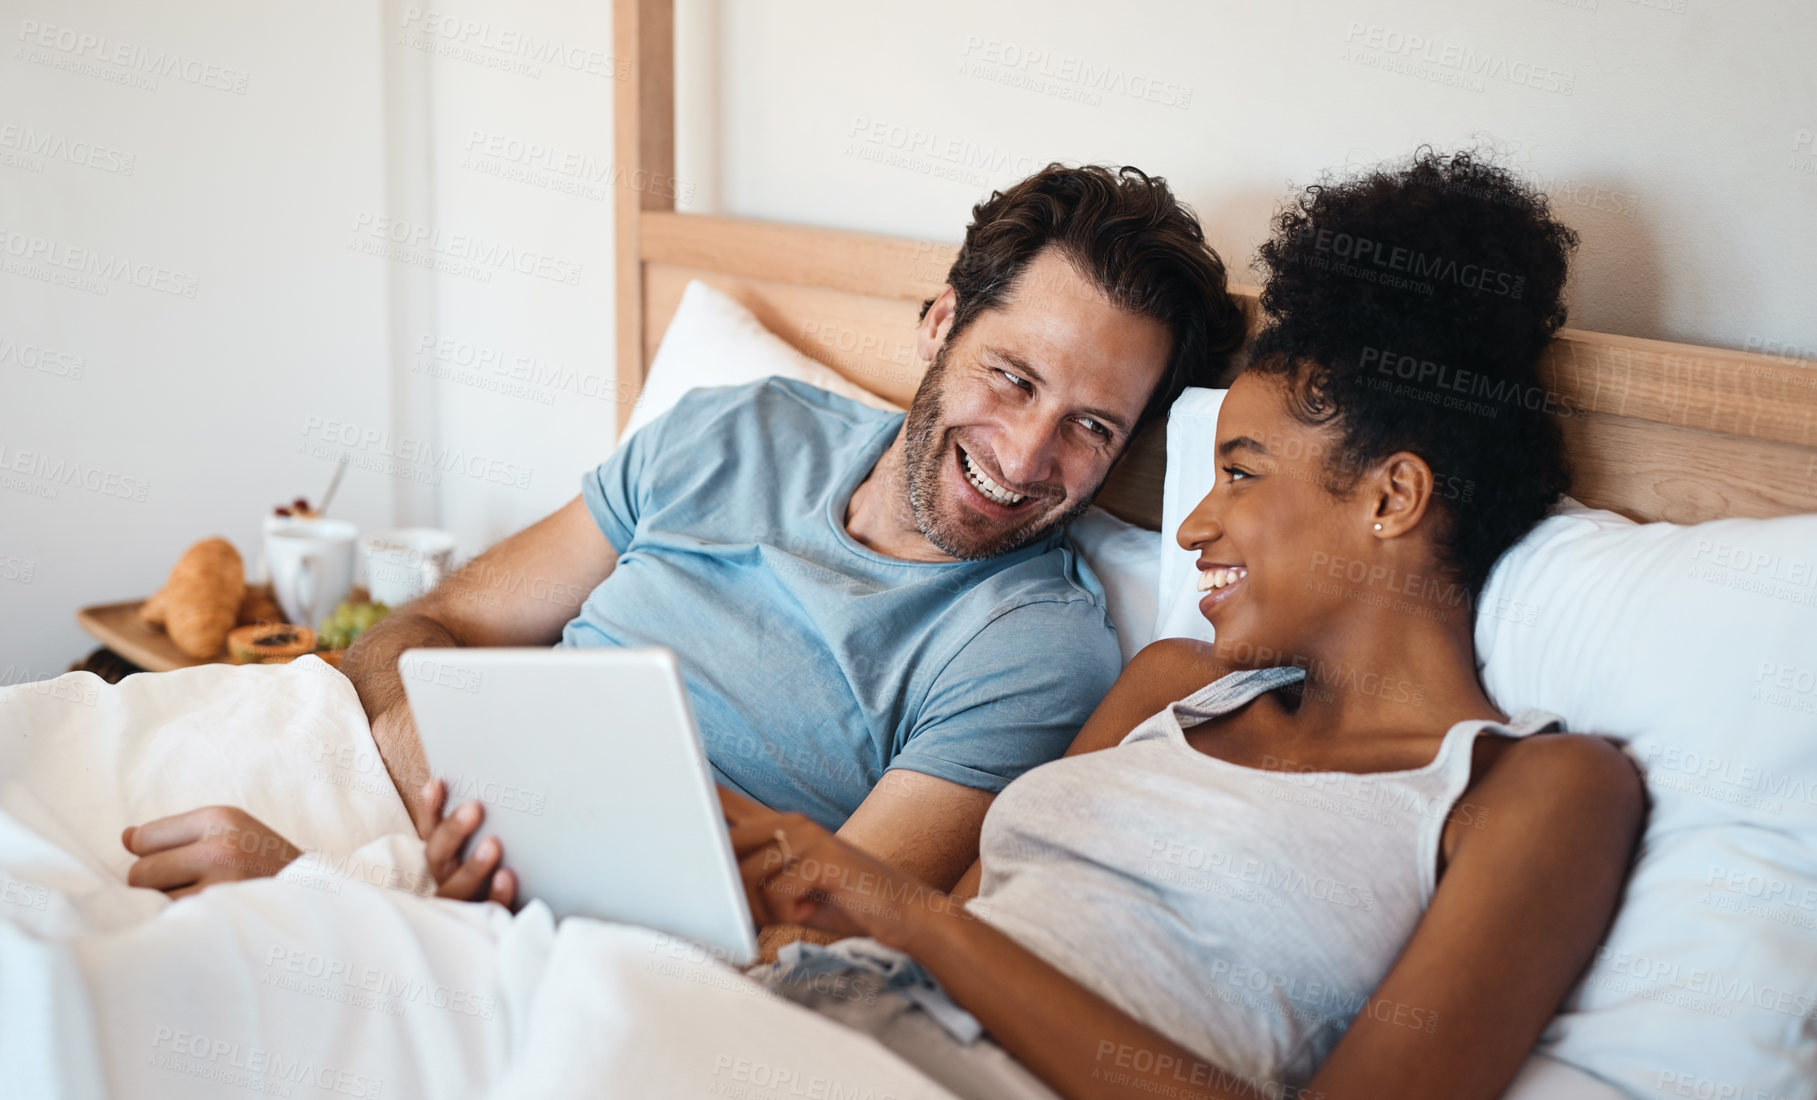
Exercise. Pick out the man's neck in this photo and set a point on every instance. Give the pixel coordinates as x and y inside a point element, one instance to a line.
<point>879,516</point>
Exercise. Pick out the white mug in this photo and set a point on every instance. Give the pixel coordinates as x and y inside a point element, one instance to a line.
<point>405,562</point>
<point>311,563</point>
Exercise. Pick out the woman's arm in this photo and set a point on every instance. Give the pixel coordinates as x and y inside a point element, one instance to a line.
<point>1080,1044</point>
<point>1522,905</point>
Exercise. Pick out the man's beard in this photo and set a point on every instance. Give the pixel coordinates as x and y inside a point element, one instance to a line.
<point>925,455</point>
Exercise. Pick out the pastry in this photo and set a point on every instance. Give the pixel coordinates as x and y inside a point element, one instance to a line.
<point>153,610</point>
<point>201,599</point>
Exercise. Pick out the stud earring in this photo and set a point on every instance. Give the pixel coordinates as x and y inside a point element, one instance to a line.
<point>1378,527</point>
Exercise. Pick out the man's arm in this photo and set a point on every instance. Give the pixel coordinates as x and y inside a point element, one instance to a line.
<point>925,825</point>
<point>919,823</point>
<point>520,592</point>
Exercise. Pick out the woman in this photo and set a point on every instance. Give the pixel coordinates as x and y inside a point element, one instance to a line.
<point>1352,874</point>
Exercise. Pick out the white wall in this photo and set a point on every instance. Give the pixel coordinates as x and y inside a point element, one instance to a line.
<point>1683,152</point>
<point>513,364</point>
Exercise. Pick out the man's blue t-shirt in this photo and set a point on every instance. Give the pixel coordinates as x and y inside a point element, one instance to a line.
<point>814,664</point>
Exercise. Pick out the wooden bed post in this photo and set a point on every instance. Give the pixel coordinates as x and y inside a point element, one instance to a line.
<point>643,149</point>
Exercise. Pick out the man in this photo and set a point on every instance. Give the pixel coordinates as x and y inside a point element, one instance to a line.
<point>879,620</point>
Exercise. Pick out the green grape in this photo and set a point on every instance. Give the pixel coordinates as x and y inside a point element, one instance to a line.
<point>348,622</point>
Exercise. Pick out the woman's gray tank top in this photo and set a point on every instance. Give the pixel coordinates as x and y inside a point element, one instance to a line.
<point>1246,914</point>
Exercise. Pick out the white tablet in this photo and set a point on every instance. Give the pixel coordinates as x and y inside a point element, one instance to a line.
<point>592,774</point>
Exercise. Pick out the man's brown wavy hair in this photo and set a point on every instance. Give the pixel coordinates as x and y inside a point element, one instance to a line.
<point>1126,232</point>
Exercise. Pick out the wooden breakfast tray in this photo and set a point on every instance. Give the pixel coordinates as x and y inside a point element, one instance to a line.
<point>119,628</point>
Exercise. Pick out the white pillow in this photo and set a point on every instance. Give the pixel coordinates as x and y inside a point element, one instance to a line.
<point>1125,558</point>
<point>1192,468</point>
<point>1698,647</point>
<point>714,341</point>
<point>1704,986</point>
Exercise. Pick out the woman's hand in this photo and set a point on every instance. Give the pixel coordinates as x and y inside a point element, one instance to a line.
<point>189,852</point>
<point>476,878</point>
<point>795,872</point>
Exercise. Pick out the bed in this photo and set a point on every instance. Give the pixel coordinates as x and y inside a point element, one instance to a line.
<point>331,979</point>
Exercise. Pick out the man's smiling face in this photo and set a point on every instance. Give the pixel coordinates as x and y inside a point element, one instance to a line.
<point>1020,416</point>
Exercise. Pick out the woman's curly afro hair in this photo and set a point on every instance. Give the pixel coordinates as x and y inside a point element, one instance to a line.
<point>1406,309</point>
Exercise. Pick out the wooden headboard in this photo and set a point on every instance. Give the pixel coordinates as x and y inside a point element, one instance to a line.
<point>1659,431</point>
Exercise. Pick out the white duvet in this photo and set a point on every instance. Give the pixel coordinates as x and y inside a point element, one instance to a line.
<point>320,984</point>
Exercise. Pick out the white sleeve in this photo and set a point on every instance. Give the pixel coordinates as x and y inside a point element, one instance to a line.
<point>396,862</point>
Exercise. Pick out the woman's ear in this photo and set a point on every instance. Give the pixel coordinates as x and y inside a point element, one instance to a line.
<point>935,324</point>
<point>1401,489</point>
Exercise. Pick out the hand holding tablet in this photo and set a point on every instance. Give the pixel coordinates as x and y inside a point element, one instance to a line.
<point>591,774</point>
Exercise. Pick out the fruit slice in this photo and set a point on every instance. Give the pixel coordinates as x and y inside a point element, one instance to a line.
<point>268,645</point>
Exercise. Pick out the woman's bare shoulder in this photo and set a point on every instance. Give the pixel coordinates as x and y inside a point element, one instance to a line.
<point>1563,786</point>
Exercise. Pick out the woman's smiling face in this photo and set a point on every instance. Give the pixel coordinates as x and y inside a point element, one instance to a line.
<point>1268,525</point>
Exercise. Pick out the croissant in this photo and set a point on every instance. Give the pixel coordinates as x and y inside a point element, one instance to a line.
<point>201,599</point>
<point>154,609</point>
